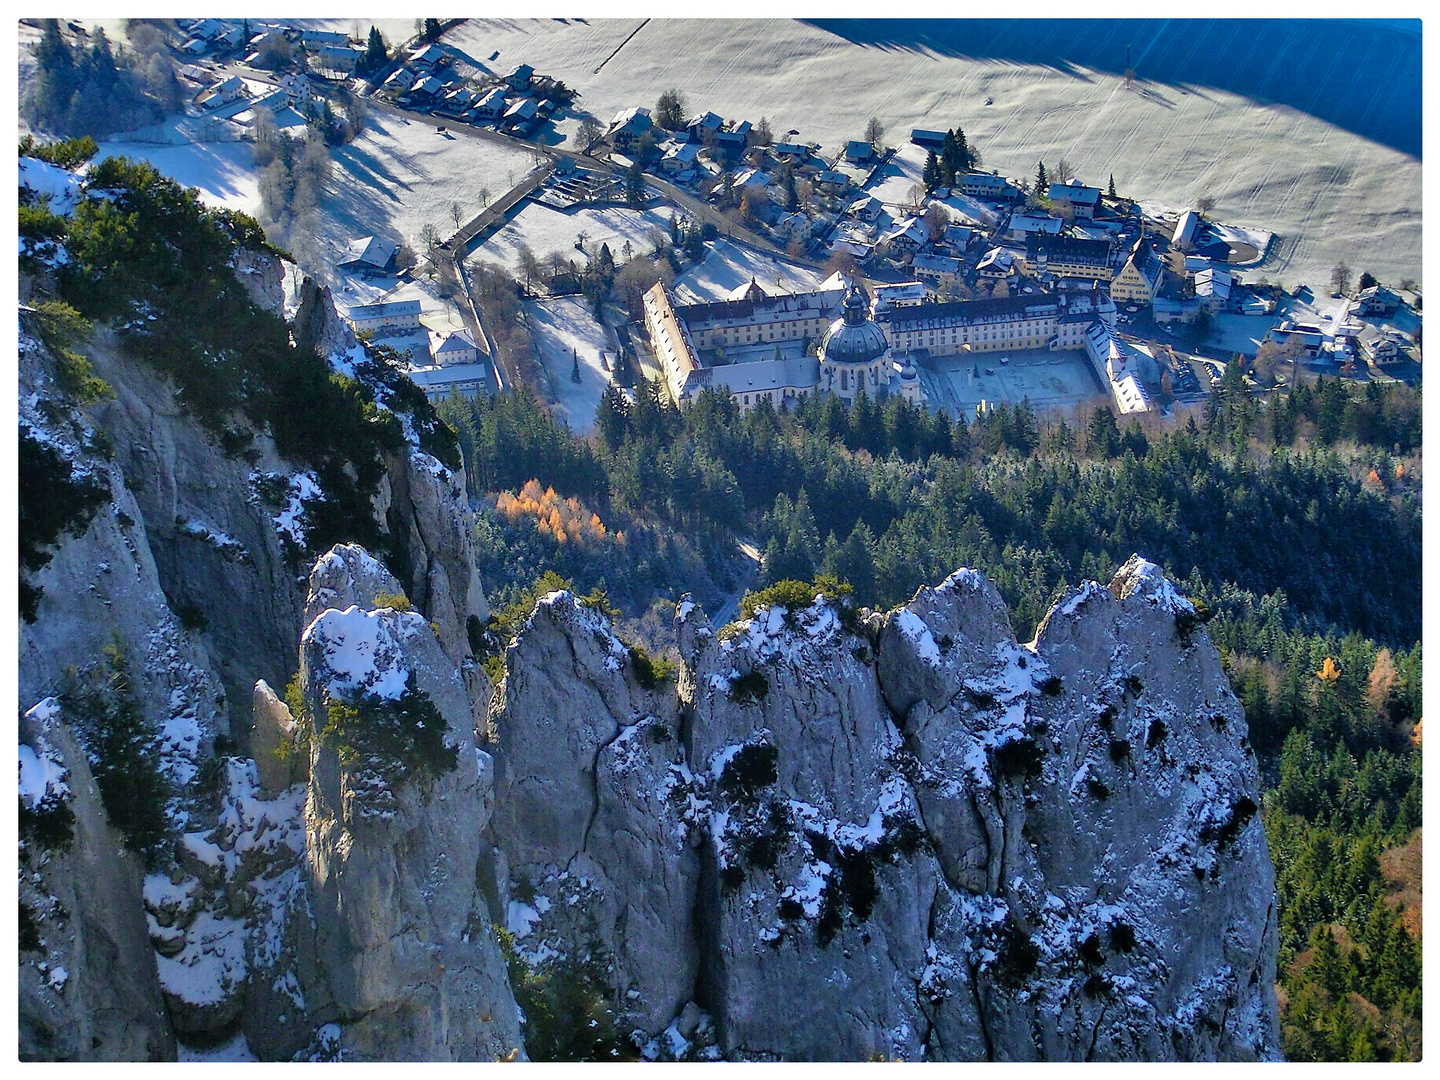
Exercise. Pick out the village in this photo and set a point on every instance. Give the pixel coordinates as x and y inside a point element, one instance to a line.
<point>668,243</point>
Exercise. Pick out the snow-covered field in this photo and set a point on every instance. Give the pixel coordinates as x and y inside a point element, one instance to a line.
<point>731,265</point>
<point>400,176</point>
<point>893,182</point>
<point>564,328</point>
<point>1049,380</point>
<point>1309,129</point>
<point>545,231</point>
<point>224,172</point>
<point>395,179</point>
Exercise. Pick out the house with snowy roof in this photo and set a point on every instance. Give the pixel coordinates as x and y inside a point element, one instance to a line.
<point>907,236</point>
<point>1138,280</point>
<point>1081,201</point>
<point>989,186</point>
<point>428,88</point>
<point>1212,287</point>
<point>707,123</point>
<point>680,156</point>
<point>222,93</point>
<point>455,348</point>
<point>368,254</point>
<point>392,315</point>
<point>939,270</point>
<point>520,115</point>
<point>338,59</point>
<point>733,138</point>
<point>440,381</point>
<point>858,151</point>
<point>627,127</point>
<point>1022,225</point>
<point>311,40</point>
<point>1186,230</point>
<point>867,208</point>
<point>426,56</point>
<point>1378,300</point>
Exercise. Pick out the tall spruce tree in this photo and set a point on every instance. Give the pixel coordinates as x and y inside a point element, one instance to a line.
<point>930,174</point>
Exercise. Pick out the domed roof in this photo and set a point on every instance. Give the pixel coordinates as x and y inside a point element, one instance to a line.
<point>853,338</point>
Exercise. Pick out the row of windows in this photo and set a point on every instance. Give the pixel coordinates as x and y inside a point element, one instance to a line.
<point>769,395</point>
<point>731,335</point>
<point>859,378</point>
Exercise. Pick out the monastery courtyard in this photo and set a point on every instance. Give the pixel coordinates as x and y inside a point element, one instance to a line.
<point>1050,379</point>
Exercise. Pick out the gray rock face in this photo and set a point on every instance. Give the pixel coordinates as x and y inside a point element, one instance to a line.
<point>596,844</point>
<point>214,545</point>
<point>1096,790</point>
<point>408,965</point>
<point>905,836</point>
<point>263,278</point>
<point>87,982</point>
<point>193,531</point>
<point>274,743</point>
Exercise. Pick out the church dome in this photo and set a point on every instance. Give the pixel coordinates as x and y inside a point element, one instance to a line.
<point>853,338</point>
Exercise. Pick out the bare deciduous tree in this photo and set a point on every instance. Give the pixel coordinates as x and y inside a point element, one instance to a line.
<point>530,268</point>
<point>670,110</point>
<point>874,132</point>
<point>588,134</point>
<point>937,217</point>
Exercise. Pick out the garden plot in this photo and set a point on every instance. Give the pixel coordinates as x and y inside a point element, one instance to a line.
<point>730,266</point>
<point>1330,160</point>
<point>563,329</point>
<point>546,231</point>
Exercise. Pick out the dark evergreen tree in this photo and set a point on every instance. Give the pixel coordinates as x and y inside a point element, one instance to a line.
<point>375,52</point>
<point>635,185</point>
<point>930,175</point>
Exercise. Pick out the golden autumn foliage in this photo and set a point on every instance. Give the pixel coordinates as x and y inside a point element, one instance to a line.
<point>565,519</point>
<point>1329,671</point>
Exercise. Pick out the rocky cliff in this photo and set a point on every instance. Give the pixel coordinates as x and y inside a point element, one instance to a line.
<point>923,838</point>
<point>266,791</point>
<point>169,593</point>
